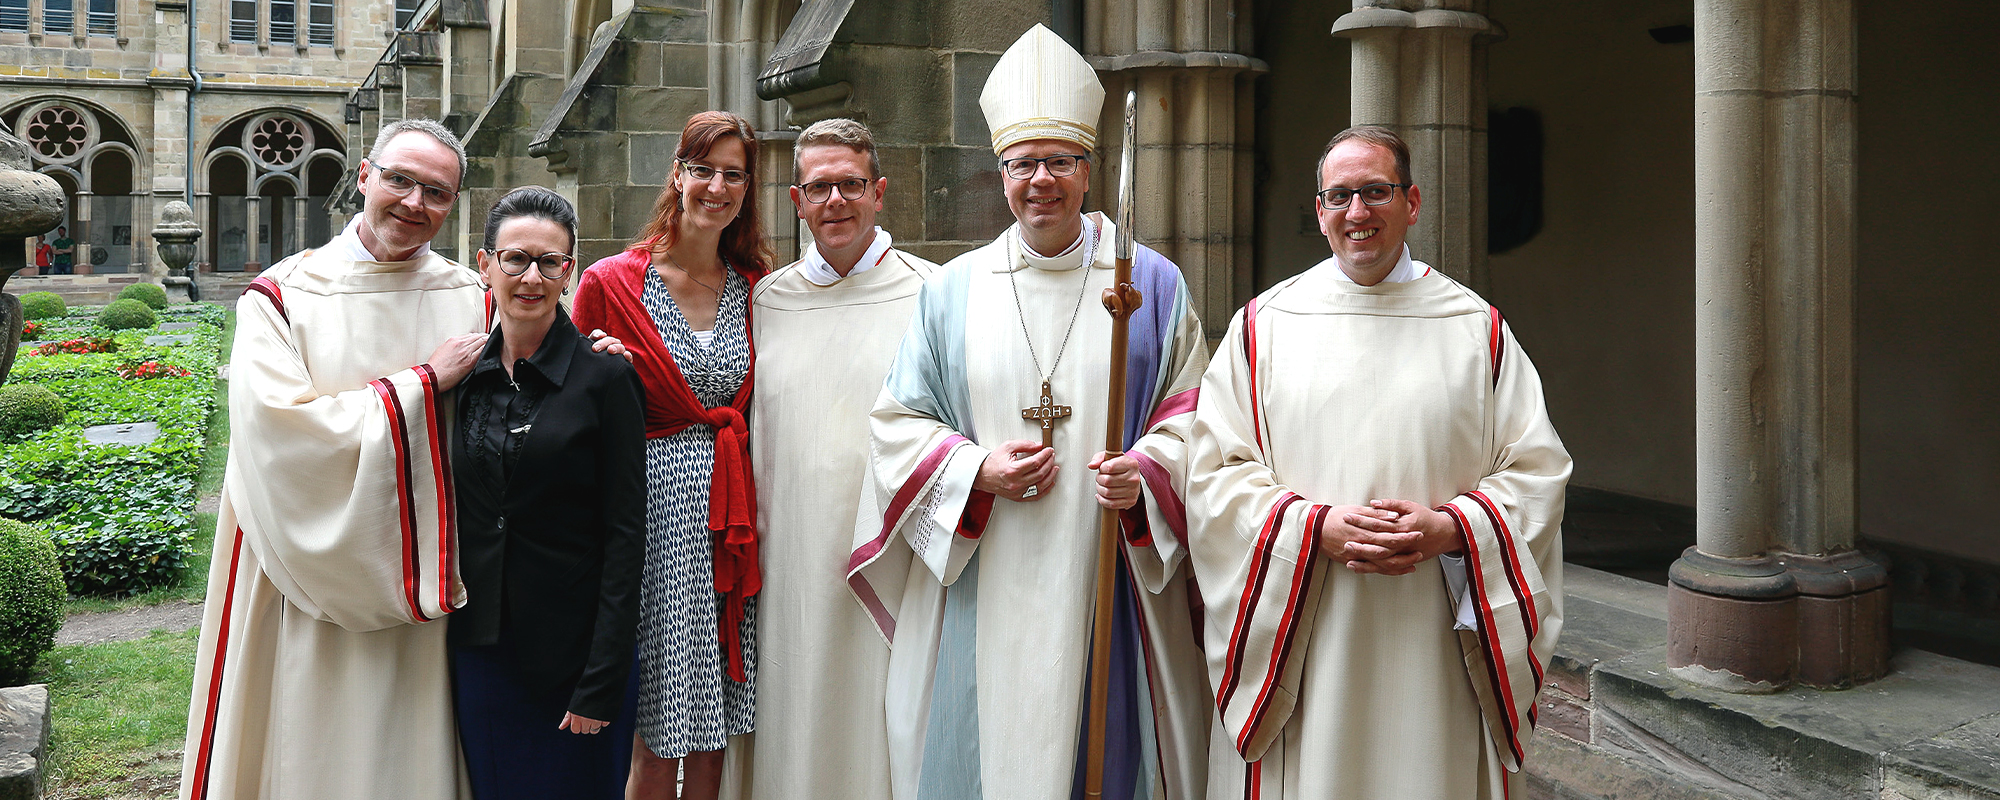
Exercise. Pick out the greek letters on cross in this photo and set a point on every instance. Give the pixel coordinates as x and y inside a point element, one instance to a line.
<point>1046,412</point>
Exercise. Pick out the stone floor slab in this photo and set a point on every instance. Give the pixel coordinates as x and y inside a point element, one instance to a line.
<point>131,434</point>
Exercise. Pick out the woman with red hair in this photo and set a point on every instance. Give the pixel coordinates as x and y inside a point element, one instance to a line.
<point>679,299</point>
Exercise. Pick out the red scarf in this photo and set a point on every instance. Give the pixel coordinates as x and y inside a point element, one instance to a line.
<point>610,297</point>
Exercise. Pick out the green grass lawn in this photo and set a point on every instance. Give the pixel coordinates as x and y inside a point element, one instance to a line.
<point>120,716</point>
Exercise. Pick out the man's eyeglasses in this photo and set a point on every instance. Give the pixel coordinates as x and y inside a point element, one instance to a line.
<point>1061,166</point>
<point>822,191</point>
<point>436,198</point>
<point>704,172</point>
<point>553,266</point>
<point>1374,194</point>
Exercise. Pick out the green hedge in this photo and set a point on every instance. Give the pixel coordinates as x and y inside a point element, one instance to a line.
<point>31,595</point>
<point>124,315</point>
<point>122,518</point>
<point>27,408</point>
<point>42,305</point>
<point>152,294</point>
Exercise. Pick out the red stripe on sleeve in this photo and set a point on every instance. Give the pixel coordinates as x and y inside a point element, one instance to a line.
<point>1489,638</point>
<point>441,475</point>
<point>407,513</point>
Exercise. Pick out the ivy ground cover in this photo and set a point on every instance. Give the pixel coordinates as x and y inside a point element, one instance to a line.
<point>122,516</point>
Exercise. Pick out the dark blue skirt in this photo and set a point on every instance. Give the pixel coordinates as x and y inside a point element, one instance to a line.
<point>513,748</point>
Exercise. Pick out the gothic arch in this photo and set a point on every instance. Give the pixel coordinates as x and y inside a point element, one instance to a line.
<point>260,177</point>
<point>71,137</point>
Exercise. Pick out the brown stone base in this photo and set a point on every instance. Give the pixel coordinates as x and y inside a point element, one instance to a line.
<point>1843,618</point>
<point>1736,645</point>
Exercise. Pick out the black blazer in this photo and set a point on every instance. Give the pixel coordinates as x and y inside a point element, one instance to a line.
<point>552,528</point>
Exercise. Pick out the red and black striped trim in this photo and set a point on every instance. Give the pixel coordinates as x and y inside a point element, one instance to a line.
<point>1489,636</point>
<point>405,493</point>
<point>1239,634</point>
<point>1508,559</point>
<point>441,475</point>
<point>1495,342</point>
<point>205,754</point>
<point>1253,780</point>
<point>269,289</point>
<point>1250,358</point>
<point>1287,624</point>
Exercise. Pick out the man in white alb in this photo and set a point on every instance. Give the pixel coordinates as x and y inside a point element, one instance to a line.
<point>826,328</point>
<point>1376,499</point>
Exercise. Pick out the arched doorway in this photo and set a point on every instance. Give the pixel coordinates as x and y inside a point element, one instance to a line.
<point>266,179</point>
<point>91,154</point>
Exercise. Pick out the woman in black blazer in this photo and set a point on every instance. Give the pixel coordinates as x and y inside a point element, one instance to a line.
<point>549,461</point>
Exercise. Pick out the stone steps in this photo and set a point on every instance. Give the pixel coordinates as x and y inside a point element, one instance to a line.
<point>75,290</point>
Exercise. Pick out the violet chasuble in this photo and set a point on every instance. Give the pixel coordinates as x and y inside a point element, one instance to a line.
<point>1337,684</point>
<point>317,675</point>
<point>821,354</point>
<point>987,603</point>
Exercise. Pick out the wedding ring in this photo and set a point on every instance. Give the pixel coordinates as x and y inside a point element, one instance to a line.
<point>1031,492</point>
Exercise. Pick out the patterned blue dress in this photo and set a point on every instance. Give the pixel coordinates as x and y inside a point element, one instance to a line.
<point>686,703</point>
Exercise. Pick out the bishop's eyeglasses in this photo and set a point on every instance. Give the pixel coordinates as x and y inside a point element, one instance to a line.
<point>1374,194</point>
<point>1061,166</point>
<point>436,198</point>
<point>822,191</point>
<point>553,266</point>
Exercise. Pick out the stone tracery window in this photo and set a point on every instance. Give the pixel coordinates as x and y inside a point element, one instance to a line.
<point>60,133</point>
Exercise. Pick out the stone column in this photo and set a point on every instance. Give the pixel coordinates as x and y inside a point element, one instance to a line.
<point>1774,591</point>
<point>253,211</point>
<point>299,205</point>
<point>1419,68</point>
<point>79,231</point>
<point>204,211</point>
<point>1195,129</point>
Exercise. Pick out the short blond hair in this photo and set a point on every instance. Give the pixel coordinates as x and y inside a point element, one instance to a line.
<point>838,132</point>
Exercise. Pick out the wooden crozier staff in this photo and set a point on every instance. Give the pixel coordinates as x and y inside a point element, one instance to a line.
<point>1121,299</point>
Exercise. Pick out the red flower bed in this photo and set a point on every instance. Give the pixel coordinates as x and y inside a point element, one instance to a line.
<point>150,369</point>
<point>30,330</point>
<point>78,346</point>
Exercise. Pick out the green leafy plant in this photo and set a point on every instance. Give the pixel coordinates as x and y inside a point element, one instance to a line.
<point>27,408</point>
<point>126,315</point>
<point>31,595</point>
<point>152,294</point>
<point>122,517</point>
<point>42,305</point>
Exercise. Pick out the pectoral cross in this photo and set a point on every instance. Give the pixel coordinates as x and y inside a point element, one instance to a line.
<point>1046,412</point>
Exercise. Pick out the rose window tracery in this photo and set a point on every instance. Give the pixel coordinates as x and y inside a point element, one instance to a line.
<point>278,141</point>
<point>60,133</point>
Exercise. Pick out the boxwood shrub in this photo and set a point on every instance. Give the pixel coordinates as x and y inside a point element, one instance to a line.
<point>42,305</point>
<point>128,314</point>
<point>31,595</point>
<point>152,294</point>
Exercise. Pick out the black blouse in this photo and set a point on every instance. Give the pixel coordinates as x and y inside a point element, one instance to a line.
<point>550,468</point>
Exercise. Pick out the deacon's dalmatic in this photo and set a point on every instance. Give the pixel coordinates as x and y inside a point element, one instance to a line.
<point>987,601</point>
<point>1337,684</point>
<point>316,676</point>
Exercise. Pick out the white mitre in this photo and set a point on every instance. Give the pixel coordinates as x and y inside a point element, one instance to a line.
<point>1042,89</point>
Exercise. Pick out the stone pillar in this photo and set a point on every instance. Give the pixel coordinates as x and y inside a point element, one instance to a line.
<point>204,213</point>
<point>1419,68</point>
<point>299,204</point>
<point>79,231</point>
<point>1773,590</point>
<point>1195,129</point>
<point>253,213</point>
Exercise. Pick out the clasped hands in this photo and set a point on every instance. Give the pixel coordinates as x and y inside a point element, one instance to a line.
<point>1023,471</point>
<point>1387,537</point>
